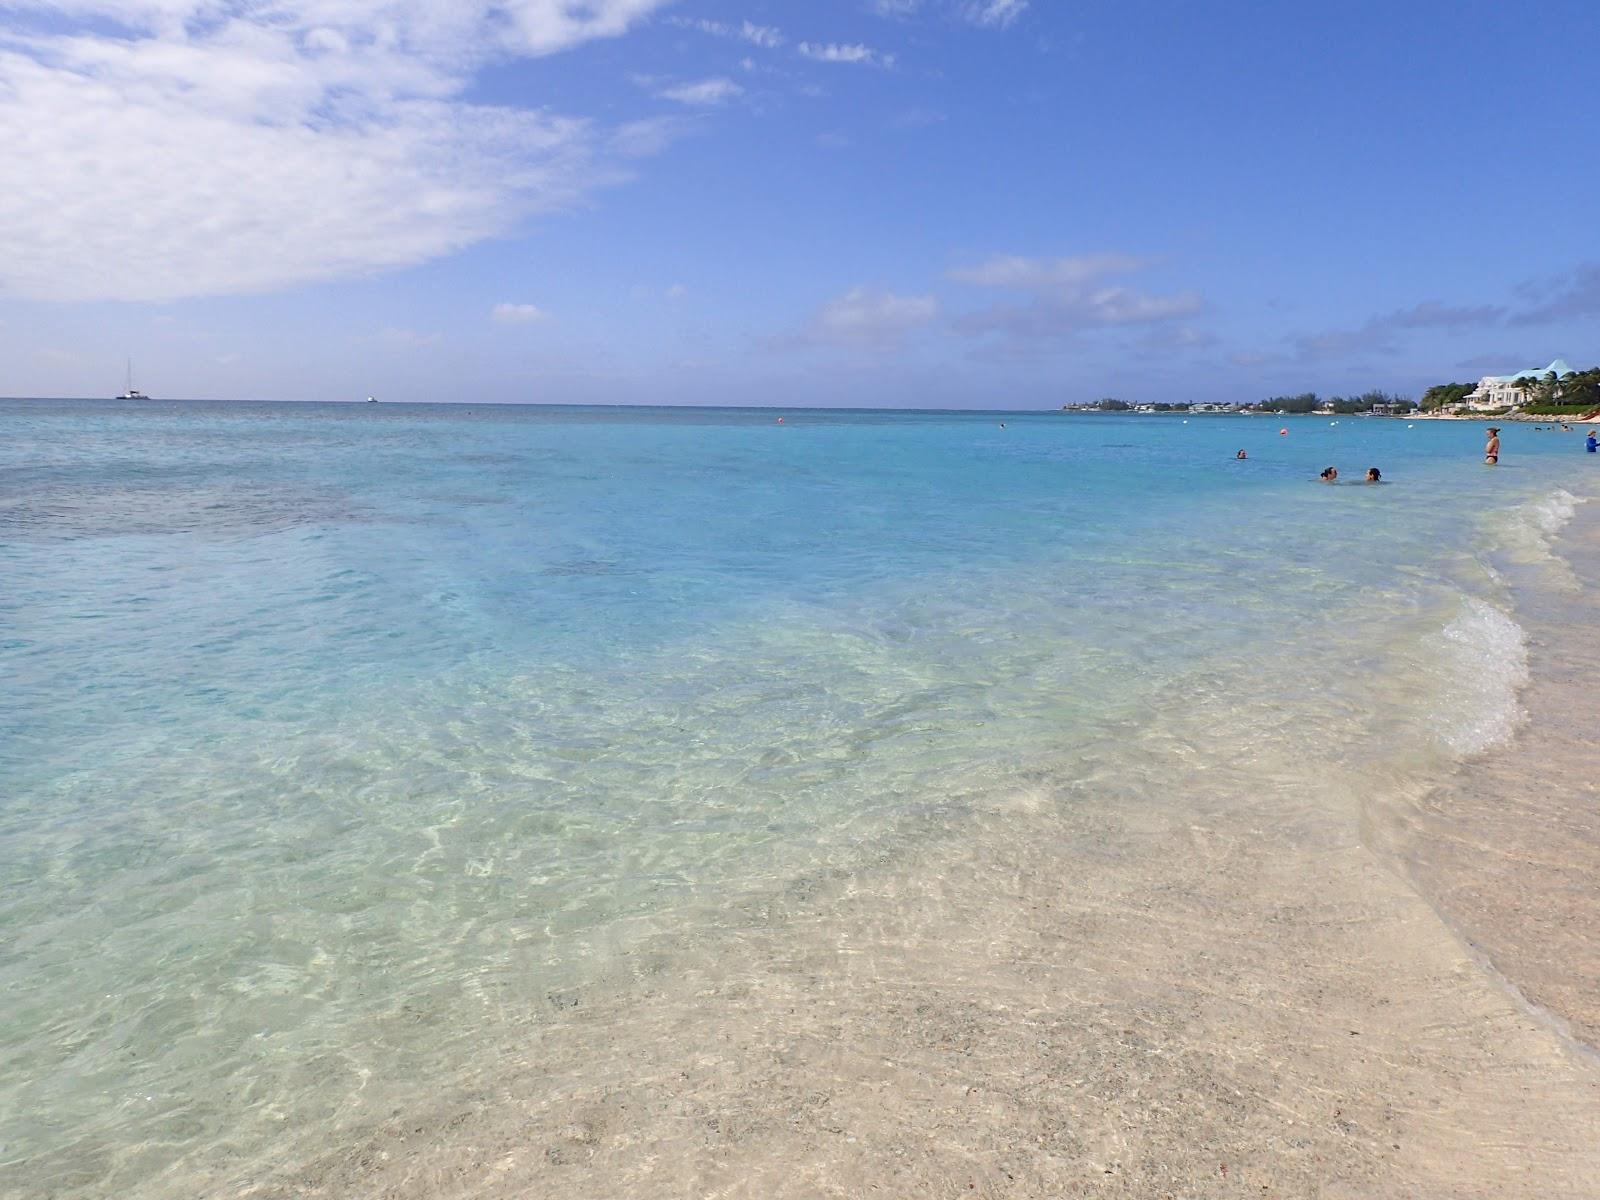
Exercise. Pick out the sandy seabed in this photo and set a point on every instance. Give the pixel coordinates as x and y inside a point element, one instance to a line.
<point>1250,1021</point>
<point>1250,990</point>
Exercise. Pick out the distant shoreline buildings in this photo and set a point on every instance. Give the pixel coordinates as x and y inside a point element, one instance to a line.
<point>1508,391</point>
<point>1374,403</point>
<point>1554,390</point>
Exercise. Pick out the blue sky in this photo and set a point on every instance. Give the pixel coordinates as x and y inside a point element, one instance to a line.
<point>972,203</point>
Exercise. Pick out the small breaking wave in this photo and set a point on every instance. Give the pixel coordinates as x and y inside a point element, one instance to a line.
<point>1526,532</point>
<point>1483,667</point>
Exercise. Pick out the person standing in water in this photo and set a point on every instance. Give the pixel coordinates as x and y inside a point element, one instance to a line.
<point>1491,448</point>
<point>1589,442</point>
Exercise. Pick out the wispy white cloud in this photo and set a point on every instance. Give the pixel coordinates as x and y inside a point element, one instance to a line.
<point>187,147</point>
<point>705,93</point>
<point>507,313</point>
<point>768,37</point>
<point>854,53</point>
<point>866,318</point>
<point>994,14</point>
<point>1065,296</point>
<point>641,139</point>
<point>989,14</point>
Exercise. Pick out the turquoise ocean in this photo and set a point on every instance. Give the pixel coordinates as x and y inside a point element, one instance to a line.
<point>338,742</point>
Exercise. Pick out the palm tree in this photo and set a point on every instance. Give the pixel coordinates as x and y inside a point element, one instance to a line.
<point>1533,389</point>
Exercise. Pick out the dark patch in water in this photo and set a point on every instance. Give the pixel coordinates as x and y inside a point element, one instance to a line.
<point>465,501</point>
<point>499,458</point>
<point>586,566</point>
<point>141,509</point>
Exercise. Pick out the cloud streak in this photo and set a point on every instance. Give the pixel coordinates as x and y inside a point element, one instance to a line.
<point>1575,294</point>
<point>869,319</point>
<point>1380,335</point>
<point>852,53</point>
<point>1065,296</point>
<point>768,37</point>
<point>707,93</point>
<point>994,14</point>
<point>987,14</point>
<point>518,314</point>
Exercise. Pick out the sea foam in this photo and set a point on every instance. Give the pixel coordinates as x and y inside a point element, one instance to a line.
<point>1526,532</point>
<point>1483,653</point>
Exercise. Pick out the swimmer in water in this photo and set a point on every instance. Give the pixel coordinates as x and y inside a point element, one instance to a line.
<point>1241,454</point>
<point>1373,476</point>
<point>1491,448</point>
<point>1329,475</point>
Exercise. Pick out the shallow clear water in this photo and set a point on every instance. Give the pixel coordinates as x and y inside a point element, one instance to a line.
<point>336,741</point>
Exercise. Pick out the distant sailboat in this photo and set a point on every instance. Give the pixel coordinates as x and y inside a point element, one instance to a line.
<point>132,393</point>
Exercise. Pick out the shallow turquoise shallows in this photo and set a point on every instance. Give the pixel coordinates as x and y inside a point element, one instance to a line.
<point>334,740</point>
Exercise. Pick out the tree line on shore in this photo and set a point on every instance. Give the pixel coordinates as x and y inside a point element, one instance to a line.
<point>1305,402</point>
<point>1573,393</point>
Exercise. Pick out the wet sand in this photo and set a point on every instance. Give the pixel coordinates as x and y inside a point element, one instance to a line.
<point>1510,851</point>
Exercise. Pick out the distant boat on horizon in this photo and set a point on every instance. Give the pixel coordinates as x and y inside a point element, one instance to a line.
<point>132,393</point>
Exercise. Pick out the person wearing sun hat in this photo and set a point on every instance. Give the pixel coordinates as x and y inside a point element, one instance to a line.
<point>1491,448</point>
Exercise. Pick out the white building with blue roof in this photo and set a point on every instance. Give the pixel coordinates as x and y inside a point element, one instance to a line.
<point>1508,391</point>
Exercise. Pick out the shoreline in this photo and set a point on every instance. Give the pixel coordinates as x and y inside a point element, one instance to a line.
<point>1508,850</point>
<point>1521,418</point>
